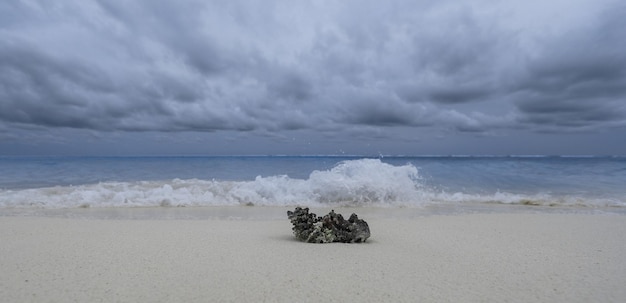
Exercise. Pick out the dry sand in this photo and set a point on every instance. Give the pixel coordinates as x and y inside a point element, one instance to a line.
<point>456,258</point>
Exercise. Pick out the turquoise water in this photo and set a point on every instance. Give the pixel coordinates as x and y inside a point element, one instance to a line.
<point>73,182</point>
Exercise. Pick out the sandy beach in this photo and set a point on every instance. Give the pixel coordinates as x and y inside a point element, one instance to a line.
<point>519,257</point>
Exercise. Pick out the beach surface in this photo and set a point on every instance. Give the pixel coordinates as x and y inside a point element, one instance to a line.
<point>493,257</point>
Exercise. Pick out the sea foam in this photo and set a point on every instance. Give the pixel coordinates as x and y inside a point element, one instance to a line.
<point>358,182</point>
<point>363,182</point>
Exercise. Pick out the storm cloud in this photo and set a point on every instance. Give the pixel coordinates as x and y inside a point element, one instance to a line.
<point>269,68</point>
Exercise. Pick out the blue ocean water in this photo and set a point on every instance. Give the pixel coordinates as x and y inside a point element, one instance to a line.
<point>73,182</point>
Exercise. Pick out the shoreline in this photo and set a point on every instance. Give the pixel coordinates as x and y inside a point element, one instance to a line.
<point>519,257</point>
<point>243,212</point>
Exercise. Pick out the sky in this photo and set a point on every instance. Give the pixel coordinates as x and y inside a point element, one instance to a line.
<point>395,77</point>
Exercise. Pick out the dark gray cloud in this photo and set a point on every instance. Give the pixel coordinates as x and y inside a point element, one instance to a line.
<point>379,69</point>
<point>579,78</point>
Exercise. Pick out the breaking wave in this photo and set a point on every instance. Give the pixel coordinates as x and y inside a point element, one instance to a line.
<point>364,182</point>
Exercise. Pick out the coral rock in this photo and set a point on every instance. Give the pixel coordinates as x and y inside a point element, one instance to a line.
<point>308,227</point>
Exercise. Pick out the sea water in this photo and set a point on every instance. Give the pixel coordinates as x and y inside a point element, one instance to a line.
<point>316,181</point>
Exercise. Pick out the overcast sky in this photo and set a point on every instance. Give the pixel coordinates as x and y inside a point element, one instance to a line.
<point>121,77</point>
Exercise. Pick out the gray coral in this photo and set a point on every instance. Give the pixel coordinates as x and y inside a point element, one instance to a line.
<point>308,227</point>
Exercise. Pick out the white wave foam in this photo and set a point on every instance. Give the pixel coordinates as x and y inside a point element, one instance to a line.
<point>365,182</point>
<point>357,182</point>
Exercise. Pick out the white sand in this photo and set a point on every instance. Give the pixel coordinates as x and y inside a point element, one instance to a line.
<point>461,258</point>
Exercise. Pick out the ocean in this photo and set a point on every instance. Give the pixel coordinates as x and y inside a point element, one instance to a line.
<point>562,182</point>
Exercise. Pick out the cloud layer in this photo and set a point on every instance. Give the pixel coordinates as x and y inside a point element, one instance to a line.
<point>272,66</point>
